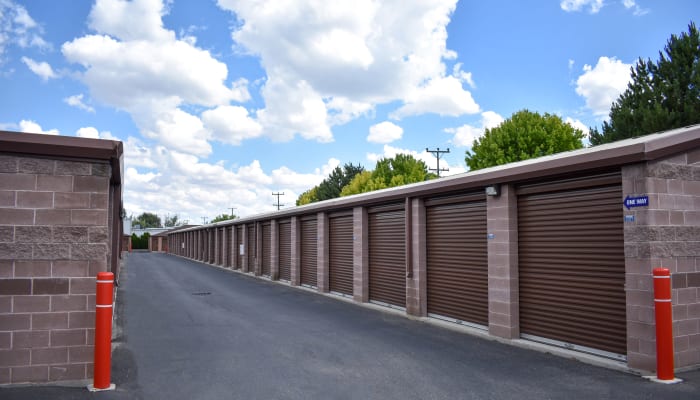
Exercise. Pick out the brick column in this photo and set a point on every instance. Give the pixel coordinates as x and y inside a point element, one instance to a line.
<point>274,250</point>
<point>416,285</point>
<point>502,228</point>
<point>322,253</point>
<point>360,256</point>
<point>296,252</point>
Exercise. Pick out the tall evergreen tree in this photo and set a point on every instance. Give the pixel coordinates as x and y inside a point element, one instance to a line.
<point>661,96</point>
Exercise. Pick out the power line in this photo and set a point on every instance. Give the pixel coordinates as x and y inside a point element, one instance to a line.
<point>278,200</point>
<point>437,153</point>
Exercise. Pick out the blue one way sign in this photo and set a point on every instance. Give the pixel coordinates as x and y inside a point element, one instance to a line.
<point>637,201</point>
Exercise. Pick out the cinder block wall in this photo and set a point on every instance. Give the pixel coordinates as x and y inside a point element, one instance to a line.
<point>54,238</point>
<point>664,234</point>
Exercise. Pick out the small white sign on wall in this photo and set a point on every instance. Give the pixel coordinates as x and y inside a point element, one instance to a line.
<point>241,250</point>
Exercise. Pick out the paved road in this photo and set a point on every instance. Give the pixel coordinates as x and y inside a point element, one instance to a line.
<point>191,331</point>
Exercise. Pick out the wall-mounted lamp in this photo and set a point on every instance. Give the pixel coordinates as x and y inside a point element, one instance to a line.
<point>493,190</point>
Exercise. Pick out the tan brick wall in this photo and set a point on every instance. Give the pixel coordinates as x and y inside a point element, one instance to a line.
<point>54,238</point>
<point>664,234</point>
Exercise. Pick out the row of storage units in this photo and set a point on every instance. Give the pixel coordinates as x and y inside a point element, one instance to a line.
<point>571,268</point>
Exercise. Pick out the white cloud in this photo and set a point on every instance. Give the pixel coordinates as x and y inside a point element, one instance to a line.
<point>443,96</point>
<point>42,69</point>
<point>30,126</point>
<point>577,5</point>
<point>465,135</point>
<point>231,124</point>
<point>179,183</point>
<point>428,158</point>
<point>601,85</point>
<point>134,64</point>
<point>77,101</point>
<point>18,28</point>
<point>392,50</point>
<point>636,9</point>
<point>578,125</point>
<point>92,132</point>
<point>384,132</point>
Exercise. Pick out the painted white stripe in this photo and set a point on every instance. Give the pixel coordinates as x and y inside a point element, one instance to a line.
<point>662,277</point>
<point>662,300</point>
<point>103,305</point>
<point>105,281</point>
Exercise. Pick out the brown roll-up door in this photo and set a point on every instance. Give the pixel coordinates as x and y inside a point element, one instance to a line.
<point>212,244</point>
<point>221,246</point>
<point>309,262</point>
<point>387,255</point>
<point>572,265</point>
<point>285,252</point>
<point>266,242</point>
<point>239,243</point>
<point>340,265</point>
<point>252,247</point>
<point>229,247</point>
<point>457,260</point>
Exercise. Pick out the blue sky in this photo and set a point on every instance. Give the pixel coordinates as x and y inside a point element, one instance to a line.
<point>221,103</point>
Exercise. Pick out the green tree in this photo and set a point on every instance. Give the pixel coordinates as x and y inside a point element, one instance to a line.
<point>389,172</point>
<point>222,217</point>
<point>172,221</point>
<point>147,220</point>
<point>661,96</point>
<point>523,136</point>
<point>140,242</point>
<point>308,197</point>
<point>331,187</point>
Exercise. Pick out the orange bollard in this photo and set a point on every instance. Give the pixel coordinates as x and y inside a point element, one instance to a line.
<point>664,324</point>
<point>103,332</point>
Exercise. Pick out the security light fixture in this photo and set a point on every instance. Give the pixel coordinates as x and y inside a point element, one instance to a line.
<point>493,190</point>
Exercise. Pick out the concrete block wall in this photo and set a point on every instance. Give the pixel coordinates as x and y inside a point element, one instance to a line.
<point>664,234</point>
<point>54,238</point>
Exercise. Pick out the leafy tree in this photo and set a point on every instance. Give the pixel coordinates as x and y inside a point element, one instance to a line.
<point>140,242</point>
<point>661,96</point>
<point>307,197</point>
<point>147,220</point>
<point>523,136</point>
<point>172,222</point>
<point>331,187</point>
<point>390,172</point>
<point>222,217</point>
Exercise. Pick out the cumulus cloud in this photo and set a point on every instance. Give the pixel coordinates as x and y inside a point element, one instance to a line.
<point>577,5</point>
<point>578,125</point>
<point>392,50</point>
<point>635,8</point>
<point>231,124</point>
<point>134,64</point>
<point>179,183</point>
<point>30,126</point>
<point>601,85</point>
<point>77,101</point>
<point>18,28</point>
<point>384,132</point>
<point>42,69</point>
<point>92,132</point>
<point>465,135</point>
<point>428,158</point>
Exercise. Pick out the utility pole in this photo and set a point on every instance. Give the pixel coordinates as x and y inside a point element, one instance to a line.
<point>437,153</point>
<point>278,200</point>
<point>232,208</point>
<point>204,220</point>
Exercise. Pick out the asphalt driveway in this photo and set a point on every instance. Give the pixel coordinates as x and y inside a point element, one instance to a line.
<point>191,331</point>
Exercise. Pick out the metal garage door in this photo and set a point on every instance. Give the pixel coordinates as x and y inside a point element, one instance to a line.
<point>285,251</point>
<point>239,244</point>
<point>457,256</point>
<point>572,265</point>
<point>229,246</point>
<point>252,247</point>
<point>309,244</point>
<point>340,252</point>
<point>220,240</point>
<point>387,255</point>
<point>266,242</point>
